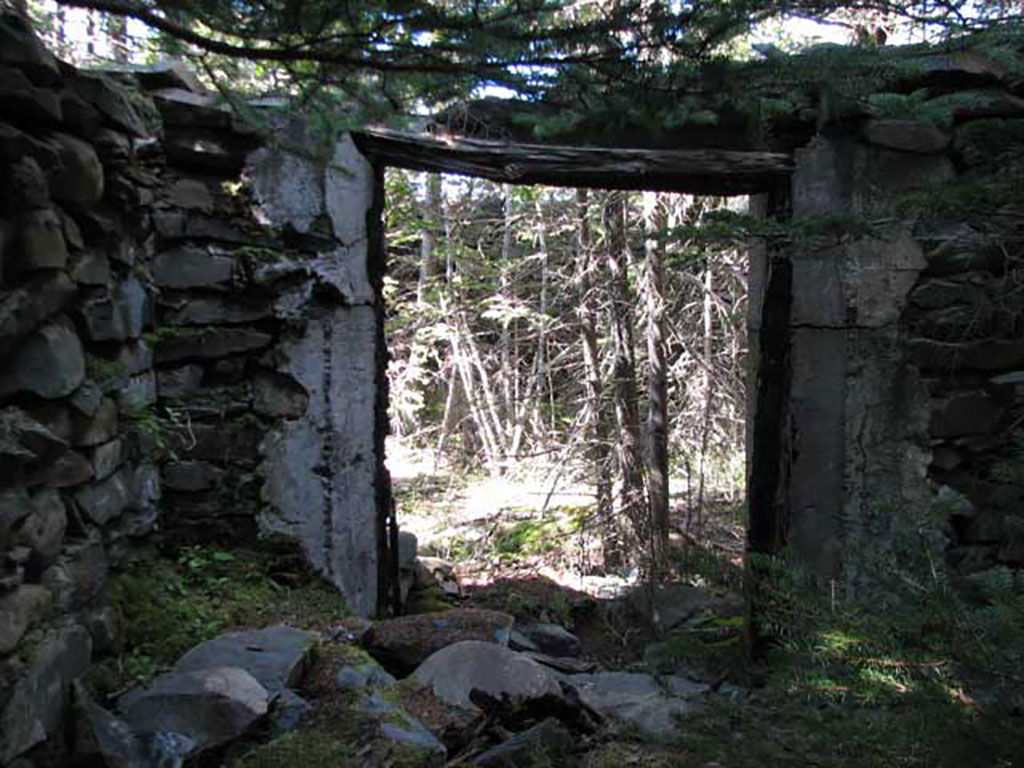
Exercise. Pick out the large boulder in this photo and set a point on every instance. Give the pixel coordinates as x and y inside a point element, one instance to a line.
<point>455,671</point>
<point>406,642</point>
<point>276,656</point>
<point>51,364</point>
<point>17,610</point>
<point>209,706</point>
<point>638,702</point>
<point>33,707</point>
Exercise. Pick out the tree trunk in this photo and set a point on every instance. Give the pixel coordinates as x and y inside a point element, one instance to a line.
<point>657,380</point>
<point>629,501</point>
<point>595,417</point>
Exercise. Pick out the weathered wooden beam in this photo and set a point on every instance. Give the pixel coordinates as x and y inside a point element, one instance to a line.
<point>704,171</point>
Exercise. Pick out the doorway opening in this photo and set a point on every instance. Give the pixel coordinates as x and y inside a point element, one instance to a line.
<point>528,329</point>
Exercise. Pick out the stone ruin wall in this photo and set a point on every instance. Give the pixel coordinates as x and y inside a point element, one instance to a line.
<point>191,337</point>
<point>906,346</point>
<point>191,348</point>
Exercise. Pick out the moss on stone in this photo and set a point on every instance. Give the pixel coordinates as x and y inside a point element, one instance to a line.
<point>167,604</point>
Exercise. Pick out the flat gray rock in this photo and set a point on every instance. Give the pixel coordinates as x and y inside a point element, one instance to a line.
<point>275,656</point>
<point>638,701</point>
<point>208,706</point>
<point>547,743</point>
<point>455,671</point>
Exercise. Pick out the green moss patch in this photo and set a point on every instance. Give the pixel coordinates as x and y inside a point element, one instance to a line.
<point>171,601</point>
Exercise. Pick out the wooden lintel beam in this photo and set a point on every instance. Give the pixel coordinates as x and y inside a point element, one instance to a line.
<point>704,171</point>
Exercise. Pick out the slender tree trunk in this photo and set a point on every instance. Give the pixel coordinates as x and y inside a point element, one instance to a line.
<point>657,380</point>
<point>505,291</point>
<point>541,363</point>
<point>707,325</point>
<point>595,417</point>
<point>630,504</point>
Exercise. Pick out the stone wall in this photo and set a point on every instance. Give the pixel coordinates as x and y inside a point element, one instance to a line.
<point>904,333</point>
<point>190,348</point>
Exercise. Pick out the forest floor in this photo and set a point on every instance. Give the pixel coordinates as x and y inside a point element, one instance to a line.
<point>918,677</point>
<point>924,673</point>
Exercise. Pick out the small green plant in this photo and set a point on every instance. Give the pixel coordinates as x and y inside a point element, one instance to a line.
<point>168,428</point>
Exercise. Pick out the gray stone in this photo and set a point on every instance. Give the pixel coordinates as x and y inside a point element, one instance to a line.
<point>216,310</point>
<point>362,677</point>
<point>106,458</point>
<point>966,413</point>
<point>552,639</point>
<point>279,396</point>
<point>50,364</point>
<point>984,355</point>
<point>179,382</point>
<point>79,575</point>
<point>30,189</point>
<point>287,711</point>
<point>14,145</point>
<point>21,102</point>
<point>670,605</point>
<point>36,703</point>
<point>134,357</point>
<point>117,315</point>
<point>18,609</point>
<point>906,135</point>
<point>191,194</point>
<point>15,506</point>
<point>72,468</point>
<point>456,670</point>
<point>112,102</point>
<point>79,115</point>
<point>336,532</point>
<point>190,476</point>
<point>24,309</point>
<point>91,268</point>
<point>407,641</point>
<point>209,706</point>
<point>24,51</point>
<point>547,743</point>
<point>398,726</point>
<point>210,343</point>
<point>637,702</point>
<point>206,151</point>
<point>42,244</point>
<point>192,267</point>
<point>43,530</point>
<point>113,147</point>
<point>101,428</point>
<point>277,657</point>
<point>136,392</point>
<point>189,109</point>
<point>100,736</point>
<point>80,182</point>
<point>24,444</point>
<point>87,398</point>
<point>105,500</point>
<point>167,73</point>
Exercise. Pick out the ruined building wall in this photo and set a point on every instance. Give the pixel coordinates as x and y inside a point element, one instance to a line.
<point>190,348</point>
<point>905,339</point>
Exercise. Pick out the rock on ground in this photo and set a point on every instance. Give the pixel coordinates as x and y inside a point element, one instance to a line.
<point>457,670</point>
<point>208,706</point>
<point>547,743</point>
<point>406,642</point>
<point>275,656</point>
<point>638,701</point>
